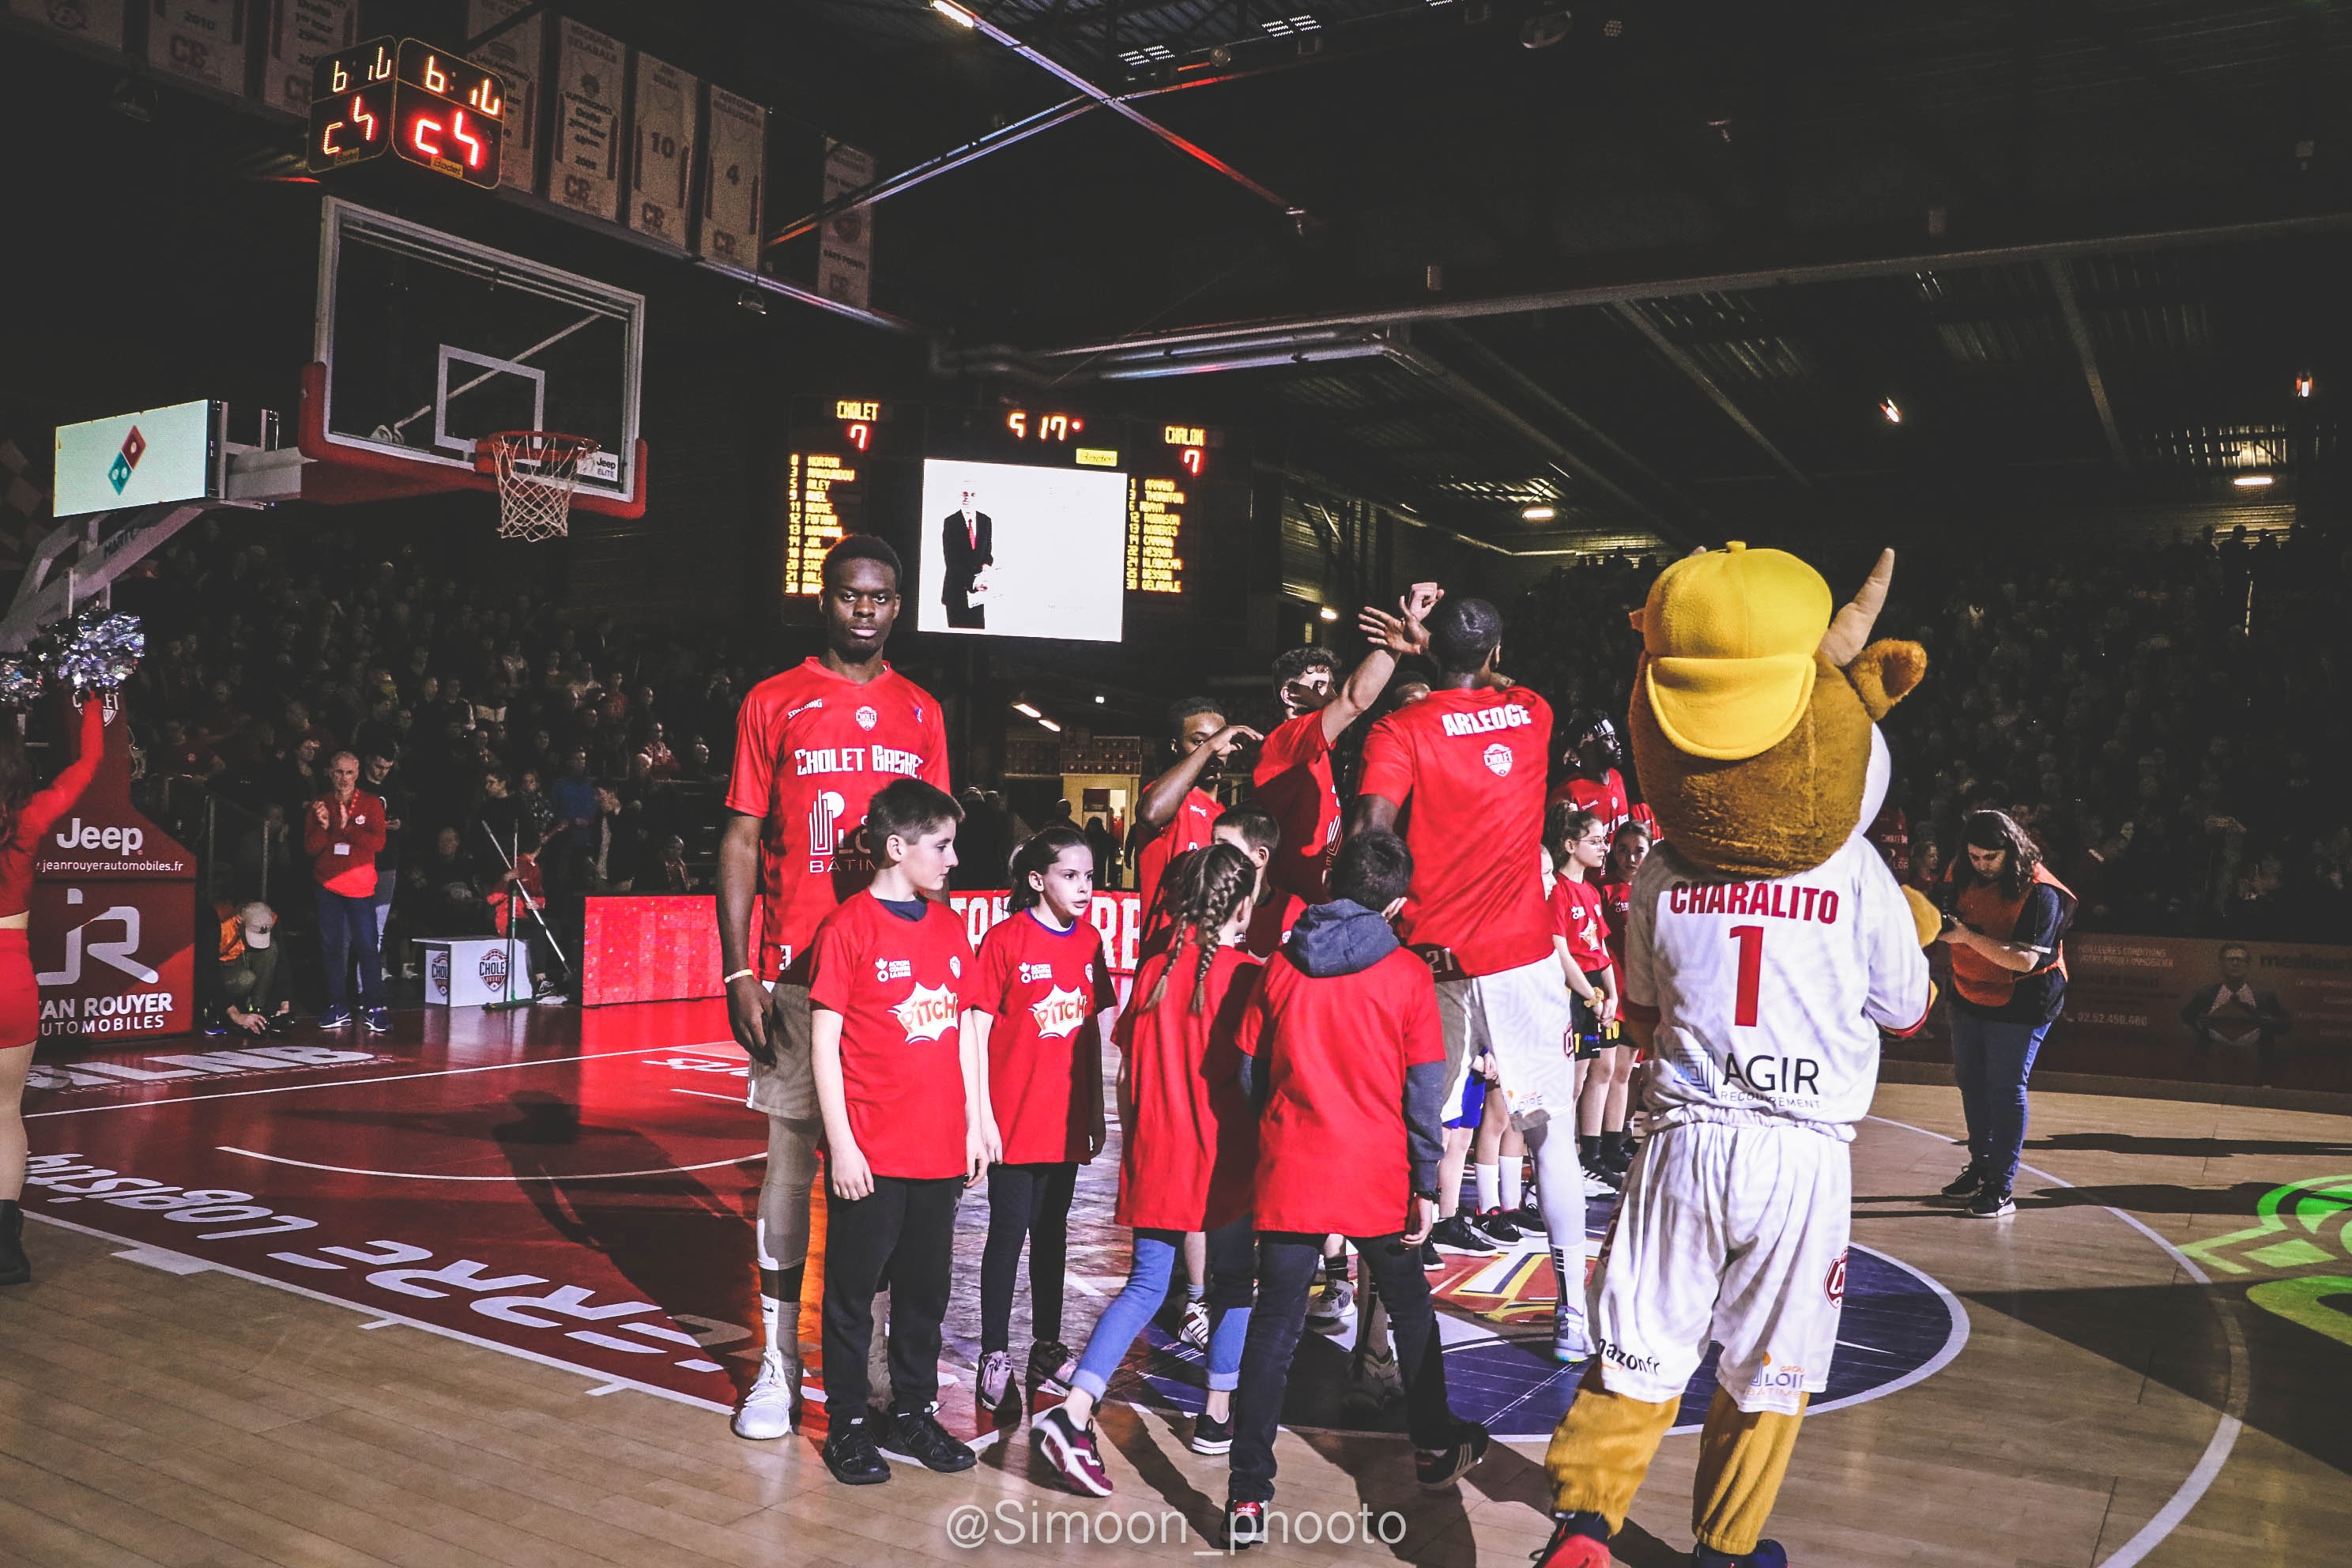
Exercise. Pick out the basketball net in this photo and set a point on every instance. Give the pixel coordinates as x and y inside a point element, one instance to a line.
<point>535,471</point>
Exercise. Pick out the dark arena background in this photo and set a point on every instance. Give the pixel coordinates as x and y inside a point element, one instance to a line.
<point>480,385</point>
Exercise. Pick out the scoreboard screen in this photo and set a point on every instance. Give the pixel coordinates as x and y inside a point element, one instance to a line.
<point>410,99</point>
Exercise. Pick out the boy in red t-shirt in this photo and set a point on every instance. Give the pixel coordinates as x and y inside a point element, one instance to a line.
<point>1038,1014</point>
<point>1342,1049</point>
<point>906,1121</point>
<point>1578,842</point>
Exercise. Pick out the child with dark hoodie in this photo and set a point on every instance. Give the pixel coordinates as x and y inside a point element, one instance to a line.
<point>1342,1050</point>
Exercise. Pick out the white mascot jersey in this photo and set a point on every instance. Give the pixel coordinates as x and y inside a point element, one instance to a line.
<point>1770,994</point>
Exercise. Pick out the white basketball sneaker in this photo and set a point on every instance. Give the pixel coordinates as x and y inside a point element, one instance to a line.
<point>770,1407</point>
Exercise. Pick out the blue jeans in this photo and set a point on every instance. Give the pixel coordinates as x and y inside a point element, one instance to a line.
<point>1156,1255</point>
<point>345,926</point>
<point>1991,1060</point>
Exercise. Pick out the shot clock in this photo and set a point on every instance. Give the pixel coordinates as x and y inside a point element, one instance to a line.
<point>412,100</point>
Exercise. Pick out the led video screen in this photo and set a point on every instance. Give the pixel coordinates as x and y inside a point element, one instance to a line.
<point>1014,550</point>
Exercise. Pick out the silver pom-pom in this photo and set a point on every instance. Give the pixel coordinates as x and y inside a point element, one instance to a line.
<point>95,651</point>
<point>20,681</point>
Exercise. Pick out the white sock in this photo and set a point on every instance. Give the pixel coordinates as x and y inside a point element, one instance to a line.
<point>1487,1179</point>
<point>1560,1190</point>
<point>1512,1188</point>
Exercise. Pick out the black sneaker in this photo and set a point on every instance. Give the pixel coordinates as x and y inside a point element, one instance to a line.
<point>1495,1224</point>
<point>1245,1524</point>
<point>850,1454</point>
<point>917,1436</point>
<point>1052,1364</point>
<point>1969,1183</point>
<point>1211,1435</point>
<point>1990,1203</point>
<point>1528,1216</point>
<point>1454,1234</point>
<point>1438,1468</point>
<point>1429,1257</point>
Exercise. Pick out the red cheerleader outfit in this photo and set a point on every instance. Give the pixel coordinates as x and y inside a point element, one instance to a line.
<point>20,998</point>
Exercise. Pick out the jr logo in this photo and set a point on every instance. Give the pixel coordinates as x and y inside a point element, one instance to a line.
<point>116,953</point>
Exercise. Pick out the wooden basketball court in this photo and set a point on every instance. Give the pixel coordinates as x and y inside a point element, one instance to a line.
<point>481,1293</point>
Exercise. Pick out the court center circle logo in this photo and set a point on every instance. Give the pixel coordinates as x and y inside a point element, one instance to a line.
<point>1898,1327</point>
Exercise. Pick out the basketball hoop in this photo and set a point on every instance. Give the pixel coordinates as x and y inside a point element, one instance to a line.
<point>535,471</point>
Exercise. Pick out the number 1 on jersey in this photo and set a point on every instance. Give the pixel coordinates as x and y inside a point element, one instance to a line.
<point>1751,973</point>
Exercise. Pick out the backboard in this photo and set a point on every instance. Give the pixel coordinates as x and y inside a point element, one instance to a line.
<point>427,343</point>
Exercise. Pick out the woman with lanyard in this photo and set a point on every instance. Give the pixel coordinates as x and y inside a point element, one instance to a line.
<point>2005,917</point>
<point>24,815</point>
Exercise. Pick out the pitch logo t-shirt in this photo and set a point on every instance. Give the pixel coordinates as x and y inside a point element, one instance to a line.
<point>1470,765</point>
<point>900,986</point>
<point>811,749</point>
<point>1045,991</point>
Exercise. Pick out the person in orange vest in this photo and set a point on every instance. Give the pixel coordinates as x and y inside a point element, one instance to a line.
<point>2005,917</point>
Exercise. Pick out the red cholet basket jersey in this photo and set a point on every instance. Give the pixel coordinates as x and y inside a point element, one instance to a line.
<point>1045,991</point>
<point>811,748</point>
<point>1292,779</point>
<point>1332,1155</point>
<point>900,986</point>
<point>1471,766</point>
<point>1191,827</point>
<point>1191,1138</point>
<point>1606,799</point>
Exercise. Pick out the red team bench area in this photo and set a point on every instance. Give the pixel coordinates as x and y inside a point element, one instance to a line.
<point>665,947</point>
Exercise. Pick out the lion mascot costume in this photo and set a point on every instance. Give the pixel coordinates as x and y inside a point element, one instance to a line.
<point>1767,947</point>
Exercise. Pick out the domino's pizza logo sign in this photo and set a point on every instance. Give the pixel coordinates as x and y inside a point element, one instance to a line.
<point>437,969</point>
<point>493,969</point>
<point>118,473</point>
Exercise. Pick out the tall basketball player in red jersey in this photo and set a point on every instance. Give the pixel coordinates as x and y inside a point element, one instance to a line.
<point>24,817</point>
<point>1591,749</point>
<point>1293,775</point>
<point>812,747</point>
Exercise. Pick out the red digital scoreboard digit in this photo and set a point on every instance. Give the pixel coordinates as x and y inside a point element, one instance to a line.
<point>407,98</point>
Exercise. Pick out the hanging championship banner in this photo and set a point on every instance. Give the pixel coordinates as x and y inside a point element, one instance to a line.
<point>845,268</point>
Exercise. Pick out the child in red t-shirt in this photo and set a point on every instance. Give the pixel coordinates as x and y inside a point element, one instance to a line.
<point>1038,1012</point>
<point>1577,841</point>
<point>906,1123</point>
<point>1189,1149</point>
<point>1612,1077</point>
<point>1342,1049</point>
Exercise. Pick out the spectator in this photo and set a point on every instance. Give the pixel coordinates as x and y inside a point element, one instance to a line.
<point>383,781</point>
<point>447,889</point>
<point>342,832</point>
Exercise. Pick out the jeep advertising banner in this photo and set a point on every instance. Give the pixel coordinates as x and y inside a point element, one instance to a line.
<point>114,909</point>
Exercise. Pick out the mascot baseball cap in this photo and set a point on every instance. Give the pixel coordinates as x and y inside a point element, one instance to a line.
<point>1730,636</point>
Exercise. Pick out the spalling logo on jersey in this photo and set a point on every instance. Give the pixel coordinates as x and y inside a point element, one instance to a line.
<point>929,1013</point>
<point>1059,1013</point>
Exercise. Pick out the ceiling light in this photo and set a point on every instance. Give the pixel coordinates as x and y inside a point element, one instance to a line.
<point>2303,385</point>
<point>1026,711</point>
<point>1100,697</point>
<point>1894,414</point>
<point>1538,514</point>
<point>1328,612</point>
<point>955,13</point>
<point>2253,481</point>
<point>1049,724</point>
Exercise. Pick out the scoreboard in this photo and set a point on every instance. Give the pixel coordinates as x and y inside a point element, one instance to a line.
<point>413,101</point>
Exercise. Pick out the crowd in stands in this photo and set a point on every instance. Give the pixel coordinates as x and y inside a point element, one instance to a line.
<point>2168,719</point>
<point>492,726</point>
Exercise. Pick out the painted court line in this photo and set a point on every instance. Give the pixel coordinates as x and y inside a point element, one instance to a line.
<point>2225,1431</point>
<point>509,1176</point>
<point>354,1082</point>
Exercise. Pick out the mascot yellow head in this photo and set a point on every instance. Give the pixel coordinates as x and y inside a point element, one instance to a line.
<point>1755,713</point>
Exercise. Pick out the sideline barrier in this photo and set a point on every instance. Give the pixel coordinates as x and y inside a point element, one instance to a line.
<point>2129,998</point>
<point>665,947</point>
